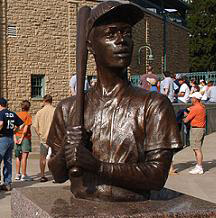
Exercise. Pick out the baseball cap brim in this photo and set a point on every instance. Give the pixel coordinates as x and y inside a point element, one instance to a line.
<point>106,10</point>
<point>132,12</point>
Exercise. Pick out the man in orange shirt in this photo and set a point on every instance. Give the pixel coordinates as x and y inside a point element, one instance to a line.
<point>197,119</point>
<point>22,141</point>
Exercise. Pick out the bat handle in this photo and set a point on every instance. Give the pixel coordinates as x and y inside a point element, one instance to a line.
<point>75,172</point>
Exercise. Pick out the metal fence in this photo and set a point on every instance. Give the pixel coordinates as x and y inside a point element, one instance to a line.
<point>207,76</point>
<point>135,80</point>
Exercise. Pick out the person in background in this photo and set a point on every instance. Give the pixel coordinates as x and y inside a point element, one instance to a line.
<point>203,90</point>
<point>176,85</point>
<point>22,141</point>
<point>211,93</point>
<point>8,122</point>
<point>197,119</point>
<point>194,86</point>
<point>184,91</point>
<point>73,84</point>
<point>167,86</point>
<point>143,79</point>
<point>153,84</point>
<point>202,83</point>
<point>41,124</point>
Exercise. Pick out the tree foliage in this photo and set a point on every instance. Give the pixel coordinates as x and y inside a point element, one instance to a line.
<point>201,21</point>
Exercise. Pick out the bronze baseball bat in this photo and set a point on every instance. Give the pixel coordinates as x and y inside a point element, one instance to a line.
<point>81,62</point>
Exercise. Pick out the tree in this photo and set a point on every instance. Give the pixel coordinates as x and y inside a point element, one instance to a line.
<point>201,21</point>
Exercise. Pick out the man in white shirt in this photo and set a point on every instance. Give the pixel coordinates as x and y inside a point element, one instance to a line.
<point>211,93</point>
<point>73,84</point>
<point>167,86</point>
<point>184,92</point>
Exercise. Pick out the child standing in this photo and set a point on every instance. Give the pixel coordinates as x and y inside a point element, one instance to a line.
<point>22,142</point>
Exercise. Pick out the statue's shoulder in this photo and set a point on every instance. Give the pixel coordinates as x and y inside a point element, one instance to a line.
<point>147,98</point>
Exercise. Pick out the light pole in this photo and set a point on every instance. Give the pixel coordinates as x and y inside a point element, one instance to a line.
<point>150,57</point>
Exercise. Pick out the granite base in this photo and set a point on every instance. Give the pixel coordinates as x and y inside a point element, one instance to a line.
<point>56,202</point>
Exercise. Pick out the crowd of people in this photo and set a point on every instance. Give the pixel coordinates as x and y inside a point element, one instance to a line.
<point>15,133</point>
<point>177,87</point>
<point>180,90</point>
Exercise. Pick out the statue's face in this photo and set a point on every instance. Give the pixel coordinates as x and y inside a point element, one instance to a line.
<point>112,44</point>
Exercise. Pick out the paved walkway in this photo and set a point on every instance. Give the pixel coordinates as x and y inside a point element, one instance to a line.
<point>201,186</point>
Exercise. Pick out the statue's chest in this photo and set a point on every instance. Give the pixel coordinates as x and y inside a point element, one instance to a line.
<point>116,131</point>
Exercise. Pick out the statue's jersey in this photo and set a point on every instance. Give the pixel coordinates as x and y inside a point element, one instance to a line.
<point>126,124</point>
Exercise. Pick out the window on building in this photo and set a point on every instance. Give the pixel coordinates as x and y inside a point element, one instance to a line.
<point>37,86</point>
<point>12,30</point>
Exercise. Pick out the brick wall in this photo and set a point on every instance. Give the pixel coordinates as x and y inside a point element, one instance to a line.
<point>45,44</point>
<point>150,31</point>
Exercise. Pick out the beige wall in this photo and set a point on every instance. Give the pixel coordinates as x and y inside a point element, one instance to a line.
<point>3,51</point>
<point>45,44</point>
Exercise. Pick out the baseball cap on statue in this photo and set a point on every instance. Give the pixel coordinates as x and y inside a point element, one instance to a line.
<point>196,95</point>
<point>111,9</point>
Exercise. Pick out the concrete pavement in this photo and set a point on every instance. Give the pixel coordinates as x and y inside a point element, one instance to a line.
<point>201,186</point>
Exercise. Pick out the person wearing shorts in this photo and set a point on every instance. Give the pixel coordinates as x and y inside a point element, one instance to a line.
<point>197,119</point>
<point>22,141</point>
<point>43,149</point>
<point>41,124</point>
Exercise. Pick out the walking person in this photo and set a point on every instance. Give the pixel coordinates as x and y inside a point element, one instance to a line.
<point>41,124</point>
<point>22,141</point>
<point>197,119</point>
<point>8,122</point>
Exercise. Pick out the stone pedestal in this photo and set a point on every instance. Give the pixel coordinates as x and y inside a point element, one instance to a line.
<point>53,202</point>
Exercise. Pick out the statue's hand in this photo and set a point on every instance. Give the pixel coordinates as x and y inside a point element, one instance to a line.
<point>86,161</point>
<point>76,152</point>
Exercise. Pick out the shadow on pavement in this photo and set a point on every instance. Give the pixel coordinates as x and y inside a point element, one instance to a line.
<point>4,194</point>
<point>207,165</point>
<point>22,184</point>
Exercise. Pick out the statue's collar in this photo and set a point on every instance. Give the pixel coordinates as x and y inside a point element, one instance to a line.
<point>116,92</point>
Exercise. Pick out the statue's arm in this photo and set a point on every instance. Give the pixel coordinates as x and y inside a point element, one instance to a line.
<point>149,175</point>
<point>55,140</point>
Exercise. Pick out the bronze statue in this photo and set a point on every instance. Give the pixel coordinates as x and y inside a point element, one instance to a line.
<point>123,148</point>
